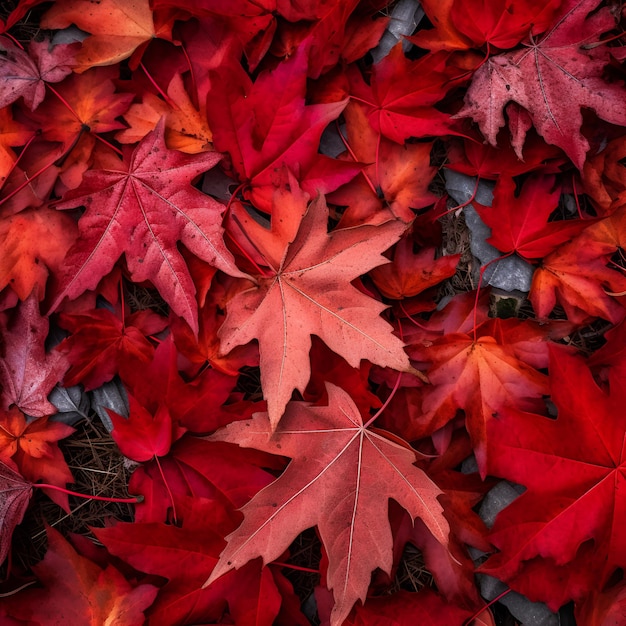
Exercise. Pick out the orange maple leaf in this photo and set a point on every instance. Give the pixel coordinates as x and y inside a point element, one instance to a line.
<point>32,447</point>
<point>117,28</point>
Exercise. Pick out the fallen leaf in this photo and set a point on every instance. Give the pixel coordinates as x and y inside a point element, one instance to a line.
<point>102,345</point>
<point>581,499</point>
<point>338,472</point>
<point>480,374</point>
<point>183,554</point>
<point>306,290</point>
<point>77,591</point>
<point>266,125</point>
<point>25,75</point>
<point>32,446</point>
<point>577,276</point>
<point>117,28</point>
<point>537,76</point>
<point>142,207</point>
<point>27,373</point>
<point>520,223</point>
<point>35,243</point>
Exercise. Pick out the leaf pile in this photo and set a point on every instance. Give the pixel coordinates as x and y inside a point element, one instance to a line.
<point>282,197</point>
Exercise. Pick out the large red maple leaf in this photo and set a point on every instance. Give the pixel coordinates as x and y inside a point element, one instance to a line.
<point>306,290</point>
<point>538,76</point>
<point>142,207</point>
<point>573,468</point>
<point>340,479</point>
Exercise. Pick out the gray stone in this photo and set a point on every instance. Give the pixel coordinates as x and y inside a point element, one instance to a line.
<point>71,34</point>
<point>511,273</point>
<point>111,395</point>
<point>405,17</point>
<point>498,498</point>
<point>331,143</point>
<point>527,612</point>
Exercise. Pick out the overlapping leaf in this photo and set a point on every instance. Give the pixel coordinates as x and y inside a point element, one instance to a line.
<point>142,207</point>
<point>306,291</point>
<point>335,479</point>
<point>538,76</point>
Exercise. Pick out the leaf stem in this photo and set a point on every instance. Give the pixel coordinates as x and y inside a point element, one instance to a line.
<point>296,567</point>
<point>65,102</point>
<point>484,608</point>
<point>464,204</point>
<point>167,488</point>
<point>167,99</point>
<point>349,149</point>
<point>410,317</point>
<point>386,403</point>
<point>28,181</point>
<point>17,160</point>
<point>131,500</point>
<point>258,268</point>
<point>194,83</point>
<point>480,280</point>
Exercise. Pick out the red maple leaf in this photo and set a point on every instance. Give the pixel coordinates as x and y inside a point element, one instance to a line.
<point>32,446</point>
<point>143,436</point>
<point>27,373</point>
<point>266,124</point>
<point>142,207</point>
<point>184,554</point>
<point>103,345</point>
<point>463,24</point>
<point>537,77</point>
<point>339,470</point>
<point>519,223</point>
<point>581,452</point>
<point>578,276</point>
<point>34,243</point>
<point>410,272</point>
<point>306,290</point>
<point>77,591</point>
<point>405,607</point>
<point>481,373</point>
<point>400,99</point>
<point>194,405</point>
<point>90,104</point>
<point>400,173</point>
<point>25,75</point>
<point>196,468</point>
<point>117,28</point>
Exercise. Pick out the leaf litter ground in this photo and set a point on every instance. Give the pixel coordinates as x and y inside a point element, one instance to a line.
<point>92,447</point>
